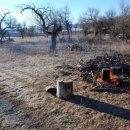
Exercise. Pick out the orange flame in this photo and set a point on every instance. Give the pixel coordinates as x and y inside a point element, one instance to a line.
<point>99,79</point>
<point>114,79</point>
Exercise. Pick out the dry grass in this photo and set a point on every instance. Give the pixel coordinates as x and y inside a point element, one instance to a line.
<point>32,39</point>
<point>26,105</point>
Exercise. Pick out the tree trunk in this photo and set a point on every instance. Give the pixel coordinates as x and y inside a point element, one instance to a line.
<point>2,36</point>
<point>64,89</point>
<point>68,33</point>
<point>53,43</point>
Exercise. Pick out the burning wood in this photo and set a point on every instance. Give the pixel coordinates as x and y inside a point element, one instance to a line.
<point>107,70</point>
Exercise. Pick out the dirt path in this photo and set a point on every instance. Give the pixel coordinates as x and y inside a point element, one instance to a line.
<point>15,92</point>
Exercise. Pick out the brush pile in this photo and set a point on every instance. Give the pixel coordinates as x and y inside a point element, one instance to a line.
<point>106,71</point>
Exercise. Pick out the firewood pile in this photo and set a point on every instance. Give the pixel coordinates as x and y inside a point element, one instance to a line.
<point>107,71</point>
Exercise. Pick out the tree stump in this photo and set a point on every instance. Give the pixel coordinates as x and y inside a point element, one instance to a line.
<point>64,89</point>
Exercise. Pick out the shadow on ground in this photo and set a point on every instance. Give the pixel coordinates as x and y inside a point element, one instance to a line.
<point>101,106</point>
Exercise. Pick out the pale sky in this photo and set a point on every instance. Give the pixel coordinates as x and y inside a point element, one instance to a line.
<point>77,7</point>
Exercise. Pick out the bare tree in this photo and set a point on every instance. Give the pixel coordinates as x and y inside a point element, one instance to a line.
<point>21,28</point>
<point>48,20</point>
<point>30,31</point>
<point>4,26</point>
<point>123,20</point>
<point>106,24</point>
<point>110,14</point>
<point>90,18</point>
<point>83,22</point>
<point>66,19</point>
<point>93,15</point>
<point>11,22</point>
<point>111,21</point>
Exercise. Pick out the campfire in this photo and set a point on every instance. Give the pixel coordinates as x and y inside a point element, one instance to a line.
<point>107,71</point>
<point>111,76</point>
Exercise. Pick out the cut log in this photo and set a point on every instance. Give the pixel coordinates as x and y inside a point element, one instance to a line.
<point>64,89</point>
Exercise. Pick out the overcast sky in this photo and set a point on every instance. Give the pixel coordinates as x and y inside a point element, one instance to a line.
<point>76,6</point>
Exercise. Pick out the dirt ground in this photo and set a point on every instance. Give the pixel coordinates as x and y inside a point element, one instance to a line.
<point>26,69</point>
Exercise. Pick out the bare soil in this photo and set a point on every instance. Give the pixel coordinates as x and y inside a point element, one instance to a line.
<point>26,69</point>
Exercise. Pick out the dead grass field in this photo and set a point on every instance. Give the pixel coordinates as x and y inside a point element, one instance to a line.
<point>26,69</point>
